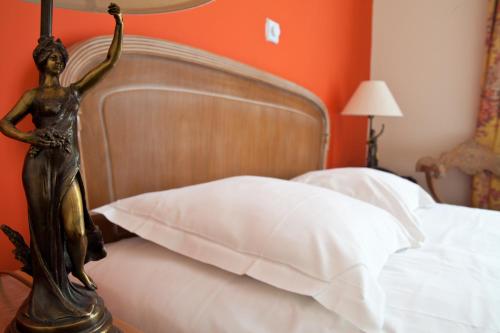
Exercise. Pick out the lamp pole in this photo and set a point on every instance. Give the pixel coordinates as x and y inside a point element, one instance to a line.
<point>372,160</point>
<point>46,18</point>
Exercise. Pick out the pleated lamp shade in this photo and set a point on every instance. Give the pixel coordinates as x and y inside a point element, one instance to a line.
<point>129,6</point>
<point>372,98</point>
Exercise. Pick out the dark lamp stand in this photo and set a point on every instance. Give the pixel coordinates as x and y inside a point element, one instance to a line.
<point>46,18</point>
<point>372,160</point>
<point>56,304</point>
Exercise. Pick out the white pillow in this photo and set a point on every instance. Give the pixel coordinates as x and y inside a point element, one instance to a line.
<point>397,195</point>
<point>297,237</point>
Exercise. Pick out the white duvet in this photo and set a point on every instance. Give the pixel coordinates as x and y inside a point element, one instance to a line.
<point>451,284</point>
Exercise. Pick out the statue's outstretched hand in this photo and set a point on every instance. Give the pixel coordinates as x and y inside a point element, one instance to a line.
<point>114,9</point>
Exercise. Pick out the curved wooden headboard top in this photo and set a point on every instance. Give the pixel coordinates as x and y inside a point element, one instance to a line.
<point>169,115</point>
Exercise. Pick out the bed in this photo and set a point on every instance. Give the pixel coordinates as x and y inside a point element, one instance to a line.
<point>170,117</point>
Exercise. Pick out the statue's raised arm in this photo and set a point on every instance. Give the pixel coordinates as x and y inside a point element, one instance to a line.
<point>92,77</point>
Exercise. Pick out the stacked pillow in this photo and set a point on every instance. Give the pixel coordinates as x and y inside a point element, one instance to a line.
<point>394,194</point>
<point>301,238</point>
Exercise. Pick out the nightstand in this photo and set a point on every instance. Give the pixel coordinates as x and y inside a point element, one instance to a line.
<point>13,291</point>
<point>124,327</point>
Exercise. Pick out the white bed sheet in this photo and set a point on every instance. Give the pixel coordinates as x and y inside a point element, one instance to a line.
<point>177,294</point>
<point>451,284</point>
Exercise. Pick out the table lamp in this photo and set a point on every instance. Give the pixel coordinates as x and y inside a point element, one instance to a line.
<point>372,98</point>
<point>63,236</point>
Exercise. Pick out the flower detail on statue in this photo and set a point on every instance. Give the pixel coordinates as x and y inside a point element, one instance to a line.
<point>60,140</point>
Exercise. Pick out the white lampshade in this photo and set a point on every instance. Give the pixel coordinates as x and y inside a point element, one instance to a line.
<point>128,6</point>
<point>372,98</point>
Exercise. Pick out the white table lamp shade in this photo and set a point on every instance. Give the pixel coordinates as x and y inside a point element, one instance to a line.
<point>372,98</point>
<point>128,6</point>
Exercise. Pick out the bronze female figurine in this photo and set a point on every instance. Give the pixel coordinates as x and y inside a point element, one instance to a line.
<point>63,236</point>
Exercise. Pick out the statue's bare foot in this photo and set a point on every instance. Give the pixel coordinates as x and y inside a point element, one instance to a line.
<point>85,279</point>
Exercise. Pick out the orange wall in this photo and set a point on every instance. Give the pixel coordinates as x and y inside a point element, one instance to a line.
<point>325,47</point>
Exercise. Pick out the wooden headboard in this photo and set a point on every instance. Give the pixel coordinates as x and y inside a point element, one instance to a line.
<point>169,115</point>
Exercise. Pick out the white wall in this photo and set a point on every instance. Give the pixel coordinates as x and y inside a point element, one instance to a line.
<point>430,53</point>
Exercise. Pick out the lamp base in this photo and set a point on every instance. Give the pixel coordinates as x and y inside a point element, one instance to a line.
<point>98,321</point>
<point>372,161</point>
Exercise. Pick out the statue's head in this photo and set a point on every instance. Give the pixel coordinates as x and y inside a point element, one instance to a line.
<point>50,54</point>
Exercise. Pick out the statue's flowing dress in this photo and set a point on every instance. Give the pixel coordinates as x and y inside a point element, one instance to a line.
<point>47,175</point>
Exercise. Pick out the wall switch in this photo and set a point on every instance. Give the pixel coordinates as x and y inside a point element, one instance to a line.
<point>273,31</point>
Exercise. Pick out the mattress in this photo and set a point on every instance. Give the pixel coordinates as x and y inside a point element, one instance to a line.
<point>450,284</point>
